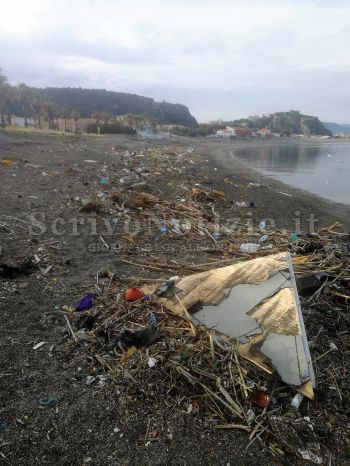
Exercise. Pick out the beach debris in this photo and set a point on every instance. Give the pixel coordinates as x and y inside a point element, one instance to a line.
<point>263,238</point>
<point>151,362</point>
<point>296,401</point>
<point>104,180</point>
<point>298,437</point>
<point>218,193</point>
<point>260,398</point>
<point>204,365</point>
<point>46,401</point>
<point>39,345</point>
<point>249,247</point>
<point>86,302</point>
<point>140,338</point>
<point>255,303</point>
<point>15,271</point>
<point>133,294</point>
<point>86,322</point>
<point>167,289</point>
<point>7,162</point>
<point>241,204</point>
<point>93,205</point>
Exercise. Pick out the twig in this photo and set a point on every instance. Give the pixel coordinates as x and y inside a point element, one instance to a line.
<point>70,329</point>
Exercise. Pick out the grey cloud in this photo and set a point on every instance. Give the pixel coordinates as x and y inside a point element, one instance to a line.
<point>216,71</point>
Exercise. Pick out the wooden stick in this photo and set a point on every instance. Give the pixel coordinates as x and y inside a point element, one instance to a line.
<point>70,329</point>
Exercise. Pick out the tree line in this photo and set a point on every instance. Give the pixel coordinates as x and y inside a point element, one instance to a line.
<point>70,104</point>
<point>22,100</point>
<point>124,111</point>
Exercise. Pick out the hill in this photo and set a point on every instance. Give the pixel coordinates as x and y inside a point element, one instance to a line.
<point>336,127</point>
<point>87,101</point>
<point>292,122</point>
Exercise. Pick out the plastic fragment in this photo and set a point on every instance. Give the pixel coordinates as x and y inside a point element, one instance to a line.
<point>296,401</point>
<point>38,345</point>
<point>249,247</point>
<point>7,162</point>
<point>85,303</point>
<point>46,401</point>
<point>133,294</point>
<point>260,398</point>
<point>151,362</point>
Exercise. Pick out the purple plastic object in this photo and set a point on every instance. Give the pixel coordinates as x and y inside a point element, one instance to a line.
<point>86,302</point>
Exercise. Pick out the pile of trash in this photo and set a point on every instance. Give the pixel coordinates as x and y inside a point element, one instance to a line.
<point>159,192</point>
<point>256,343</point>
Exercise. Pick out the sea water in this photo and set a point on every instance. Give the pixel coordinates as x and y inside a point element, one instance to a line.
<point>322,169</point>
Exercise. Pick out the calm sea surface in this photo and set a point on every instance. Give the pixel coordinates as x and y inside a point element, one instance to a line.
<point>320,169</point>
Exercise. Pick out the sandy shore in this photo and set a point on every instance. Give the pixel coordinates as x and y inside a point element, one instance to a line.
<point>47,176</point>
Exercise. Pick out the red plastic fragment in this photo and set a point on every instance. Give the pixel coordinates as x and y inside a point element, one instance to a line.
<point>260,398</point>
<point>133,294</point>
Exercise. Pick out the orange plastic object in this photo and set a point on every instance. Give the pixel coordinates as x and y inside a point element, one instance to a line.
<point>260,398</point>
<point>133,294</point>
<point>7,162</point>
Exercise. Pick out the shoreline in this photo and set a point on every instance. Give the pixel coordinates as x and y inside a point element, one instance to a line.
<point>269,177</point>
<point>289,143</point>
<point>278,199</point>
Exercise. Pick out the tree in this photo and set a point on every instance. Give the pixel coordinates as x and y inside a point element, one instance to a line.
<point>97,116</point>
<point>25,98</point>
<point>75,116</point>
<point>37,108</point>
<point>49,111</point>
<point>9,97</point>
<point>4,88</point>
<point>56,112</point>
<point>65,112</point>
<point>106,116</point>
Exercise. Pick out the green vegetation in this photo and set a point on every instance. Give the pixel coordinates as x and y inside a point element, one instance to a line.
<point>88,101</point>
<point>104,106</point>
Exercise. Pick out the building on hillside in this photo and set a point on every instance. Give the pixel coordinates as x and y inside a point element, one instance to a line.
<point>234,131</point>
<point>264,132</point>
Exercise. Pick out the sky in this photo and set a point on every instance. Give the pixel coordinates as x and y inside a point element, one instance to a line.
<point>224,59</point>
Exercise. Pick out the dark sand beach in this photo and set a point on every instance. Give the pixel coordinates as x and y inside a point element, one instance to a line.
<point>90,424</point>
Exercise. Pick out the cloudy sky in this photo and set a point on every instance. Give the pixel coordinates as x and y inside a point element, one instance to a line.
<point>224,58</point>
